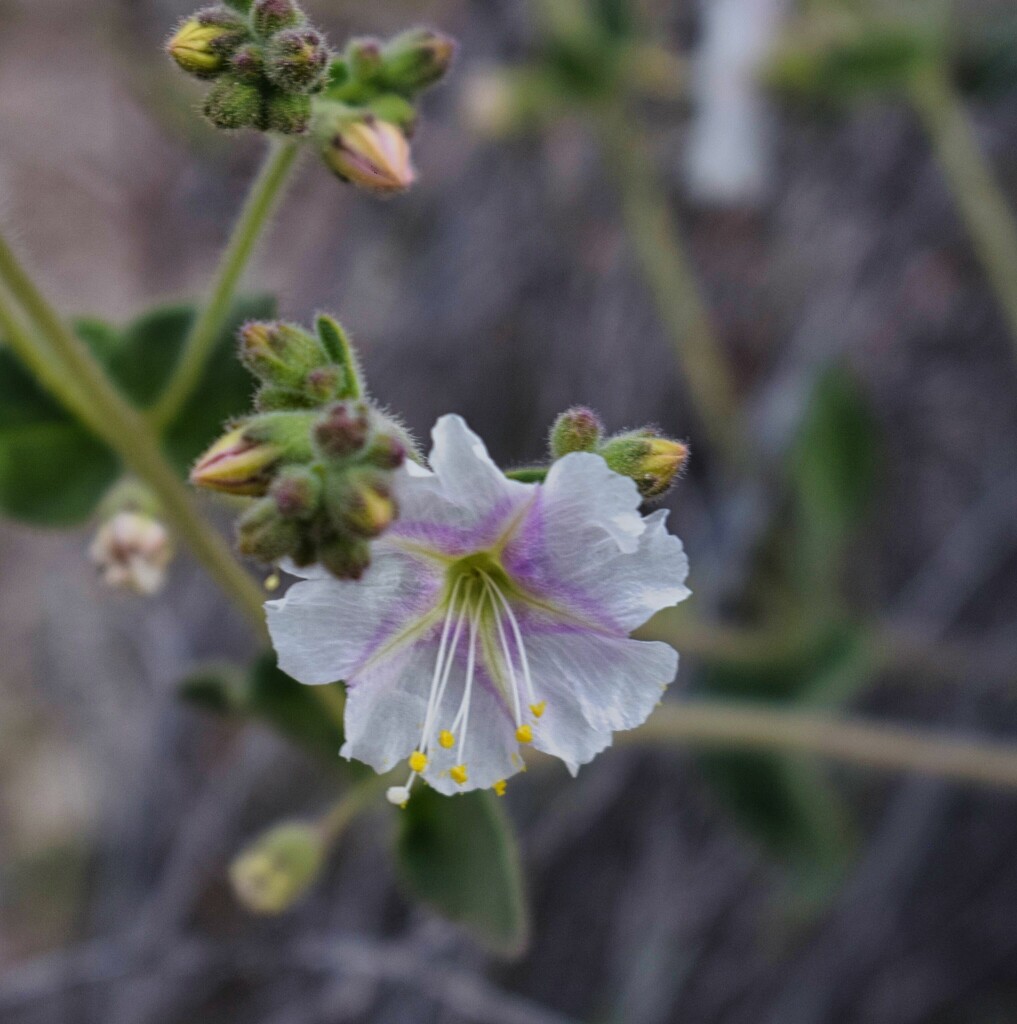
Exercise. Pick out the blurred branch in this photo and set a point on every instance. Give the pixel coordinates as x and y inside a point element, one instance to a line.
<point>669,272</point>
<point>262,200</point>
<point>63,358</point>
<point>735,725</point>
<point>980,202</point>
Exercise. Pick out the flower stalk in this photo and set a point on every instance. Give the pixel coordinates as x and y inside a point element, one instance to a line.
<point>262,201</point>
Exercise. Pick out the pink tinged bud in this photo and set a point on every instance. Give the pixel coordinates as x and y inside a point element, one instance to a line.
<point>371,154</point>
<point>577,430</point>
<point>343,430</point>
<point>297,492</point>
<point>386,452</point>
<point>296,60</point>
<point>237,464</point>
<point>132,551</point>
<point>270,16</point>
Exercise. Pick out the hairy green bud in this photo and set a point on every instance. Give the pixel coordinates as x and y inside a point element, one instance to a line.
<point>248,63</point>
<point>265,534</point>
<point>360,503</point>
<point>232,104</point>
<point>363,59</point>
<point>279,353</point>
<point>271,16</point>
<point>576,430</point>
<point>296,492</point>
<point>415,59</point>
<point>202,44</point>
<point>279,868</point>
<point>296,60</point>
<point>343,431</point>
<point>653,462</point>
<point>344,557</point>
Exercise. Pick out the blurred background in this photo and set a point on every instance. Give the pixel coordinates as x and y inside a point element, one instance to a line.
<point>762,230</point>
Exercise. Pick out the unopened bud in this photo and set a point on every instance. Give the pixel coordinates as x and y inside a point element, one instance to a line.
<point>343,430</point>
<point>232,104</point>
<point>652,462</point>
<point>324,383</point>
<point>345,558</point>
<point>279,353</point>
<point>263,533</point>
<point>576,430</point>
<point>132,551</point>
<point>273,873</point>
<point>296,492</point>
<point>202,44</point>
<point>296,60</point>
<point>363,58</point>
<point>371,154</point>
<point>363,505</point>
<point>418,58</point>
<point>237,464</point>
<point>270,16</point>
<point>386,452</point>
<point>248,63</point>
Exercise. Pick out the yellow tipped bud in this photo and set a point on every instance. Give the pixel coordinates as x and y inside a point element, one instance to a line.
<point>418,761</point>
<point>458,774</point>
<point>236,465</point>
<point>202,44</point>
<point>663,461</point>
<point>499,787</point>
<point>373,154</point>
<point>538,709</point>
<point>524,734</point>
<point>446,739</point>
<point>277,870</point>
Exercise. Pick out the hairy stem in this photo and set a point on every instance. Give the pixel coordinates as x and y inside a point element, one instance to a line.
<point>670,275</point>
<point>734,725</point>
<point>266,191</point>
<point>985,210</point>
<point>66,367</point>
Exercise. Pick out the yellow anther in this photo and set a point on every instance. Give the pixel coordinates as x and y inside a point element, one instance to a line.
<point>538,709</point>
<point>499,787</point>
<point>458,774</point>
<point>272,582</point>
<point>524,734</point>
<point>418,761</point>
<point>446,739</point>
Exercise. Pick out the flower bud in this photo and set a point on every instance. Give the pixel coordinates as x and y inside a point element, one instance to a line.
<point>232,104</point>
<point>386,452</point>
<point>577,430</point>
<point>418,58</point>
<point>279,353</point>
<point>296,492</point>
<point>324,384</point>
<point>248,63</point>
<point>288,113</point>
<point>271,16</point>
<point>360,504</point>
<point>202,44</point>
<point>345,558</point>
<point>273,873</point>
<point>239,5</point>
<point>652,462</point>
<point>343,430</point>
<point>296,60</point>
<point>369,153</point>
<point>237,464</point>
<point>132,551</point>
<point>264,534</point>
<point>363,59</point>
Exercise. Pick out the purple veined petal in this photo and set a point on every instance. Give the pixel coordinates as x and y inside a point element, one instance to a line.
<point>323,629</point>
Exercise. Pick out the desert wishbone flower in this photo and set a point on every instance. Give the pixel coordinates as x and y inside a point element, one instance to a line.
<point>494,613</point>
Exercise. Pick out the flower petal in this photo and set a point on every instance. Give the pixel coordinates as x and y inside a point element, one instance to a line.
<point>465,505</point>
<point>323,629</point>
<point>594,684</point>
<point>579,550</point>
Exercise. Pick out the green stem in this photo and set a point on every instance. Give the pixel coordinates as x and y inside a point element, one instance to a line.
<point>980,201</point>
<point>668,269</point>
<point>356,799</point>
<point>67,368</point>
<point>266,191</point>
<point>733,725</point>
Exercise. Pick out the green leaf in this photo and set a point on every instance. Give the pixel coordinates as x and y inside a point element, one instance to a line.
<point>833,469</point>
<point>53,472</point>
<point>293,709</point>
<point>458,854</point>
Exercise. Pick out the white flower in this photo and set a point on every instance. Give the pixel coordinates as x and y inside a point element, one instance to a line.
<point>132,551</point>
<point>494,613</point>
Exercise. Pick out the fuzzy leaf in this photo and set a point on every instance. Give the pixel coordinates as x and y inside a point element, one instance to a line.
<point>458,854</point>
